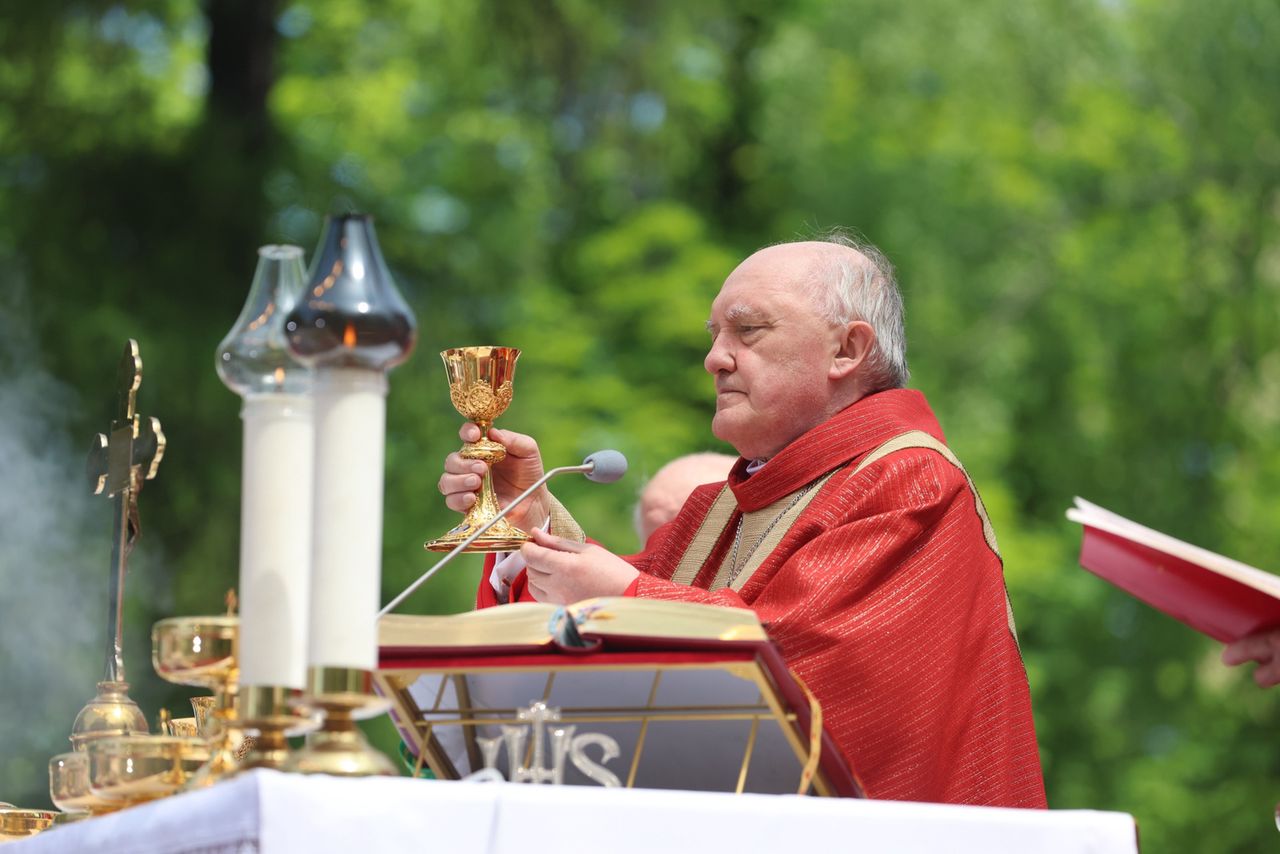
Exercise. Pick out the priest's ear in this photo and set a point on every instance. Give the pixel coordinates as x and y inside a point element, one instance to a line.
<point>854,350</point>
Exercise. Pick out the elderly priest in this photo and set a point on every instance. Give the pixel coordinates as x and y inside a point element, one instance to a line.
<point>847,526</point>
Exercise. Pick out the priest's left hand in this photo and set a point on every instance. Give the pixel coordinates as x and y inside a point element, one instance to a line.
<point>563,571</point>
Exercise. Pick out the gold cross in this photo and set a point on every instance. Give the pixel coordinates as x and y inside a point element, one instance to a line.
<point>117,467</point>
<point>135,442</point>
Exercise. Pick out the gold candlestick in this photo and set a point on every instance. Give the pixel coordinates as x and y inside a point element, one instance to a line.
<point>343,696</point>
<point>480,388</point>
<point>273,714</point>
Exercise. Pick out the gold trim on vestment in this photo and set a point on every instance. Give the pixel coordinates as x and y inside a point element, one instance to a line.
<point>766,527</point>
<point>562,522</point>
<point>699,548</point>
<point>921,439</point>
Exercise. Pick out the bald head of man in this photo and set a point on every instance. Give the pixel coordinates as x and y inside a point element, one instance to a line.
<point>665,493</point>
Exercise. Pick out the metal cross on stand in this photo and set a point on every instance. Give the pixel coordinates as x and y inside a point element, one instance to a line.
<point>117,468</point>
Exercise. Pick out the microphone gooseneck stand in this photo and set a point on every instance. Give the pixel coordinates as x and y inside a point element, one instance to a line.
<point>600,467</point>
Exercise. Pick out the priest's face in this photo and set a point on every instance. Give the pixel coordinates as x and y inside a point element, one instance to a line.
<point>772,353</point>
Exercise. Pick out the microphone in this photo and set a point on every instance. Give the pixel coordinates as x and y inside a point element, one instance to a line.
<point>601,467</point>
<point>606,467</point>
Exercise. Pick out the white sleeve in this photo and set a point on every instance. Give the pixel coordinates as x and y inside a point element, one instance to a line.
<point>507,565</point>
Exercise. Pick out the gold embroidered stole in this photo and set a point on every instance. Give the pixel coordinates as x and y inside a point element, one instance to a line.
<point>765,528</point>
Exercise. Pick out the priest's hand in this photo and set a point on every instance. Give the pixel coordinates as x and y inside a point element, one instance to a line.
<point>563,571</point>
<point>1264,648</point>
<point>521,468</point>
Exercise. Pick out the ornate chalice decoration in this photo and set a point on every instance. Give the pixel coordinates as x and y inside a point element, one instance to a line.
<point>480,387</point>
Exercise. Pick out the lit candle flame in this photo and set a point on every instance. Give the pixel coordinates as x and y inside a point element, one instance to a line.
<point>279,376</point>
<point>349,336</point>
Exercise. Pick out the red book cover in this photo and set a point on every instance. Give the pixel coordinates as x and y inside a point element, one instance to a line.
<point>1213,594</point>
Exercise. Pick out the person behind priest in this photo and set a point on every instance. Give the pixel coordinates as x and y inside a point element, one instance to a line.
<point>665,493</point>
<point>846,526</point>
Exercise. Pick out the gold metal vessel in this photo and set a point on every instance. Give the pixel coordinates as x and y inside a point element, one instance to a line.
<point>480,387</point>
<point>204,652</point>
<point>134,769</point>
<point>18,823</point>
<point>343,695</point>
<point>69,785</point>
<point>110,712</point>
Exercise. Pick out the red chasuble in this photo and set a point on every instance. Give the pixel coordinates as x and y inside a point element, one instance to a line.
<point>886,600</point>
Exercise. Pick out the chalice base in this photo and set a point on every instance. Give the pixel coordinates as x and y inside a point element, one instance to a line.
<point>502,537</point>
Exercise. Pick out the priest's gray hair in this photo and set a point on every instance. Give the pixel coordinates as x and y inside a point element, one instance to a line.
<point>847,290</point>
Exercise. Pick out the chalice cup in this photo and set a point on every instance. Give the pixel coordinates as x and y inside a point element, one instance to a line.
<point>204,652</point>
<point>480,381</point>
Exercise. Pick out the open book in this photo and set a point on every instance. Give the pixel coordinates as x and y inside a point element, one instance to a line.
<point>1220,597</point>
<point>589,623</point>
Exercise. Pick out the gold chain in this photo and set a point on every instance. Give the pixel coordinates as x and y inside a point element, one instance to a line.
<point>734,567</point>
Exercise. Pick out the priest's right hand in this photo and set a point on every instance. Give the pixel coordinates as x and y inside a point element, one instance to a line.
<point>521,468</point>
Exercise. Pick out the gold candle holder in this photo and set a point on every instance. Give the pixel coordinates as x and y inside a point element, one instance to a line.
<point>203,651</point>
<point>271,712</point>
<point>480,388</point>
<point>343,695</point>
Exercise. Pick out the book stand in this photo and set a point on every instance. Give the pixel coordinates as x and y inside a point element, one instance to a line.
<point>720,716</point>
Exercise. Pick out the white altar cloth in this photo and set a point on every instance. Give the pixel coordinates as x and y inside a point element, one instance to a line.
<point>273,813</point>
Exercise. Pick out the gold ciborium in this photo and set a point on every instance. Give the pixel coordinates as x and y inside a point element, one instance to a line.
<point>134,769</point>
<point>18,824</point>
<point>480,381</point>
<point>204,652</point>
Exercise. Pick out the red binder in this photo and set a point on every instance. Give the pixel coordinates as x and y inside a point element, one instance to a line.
<point>1213,594</point>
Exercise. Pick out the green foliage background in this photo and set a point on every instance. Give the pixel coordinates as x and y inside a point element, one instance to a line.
<point>1081,197</point>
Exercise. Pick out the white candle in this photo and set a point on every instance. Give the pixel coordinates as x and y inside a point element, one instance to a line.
<point>346,576</point>
<point>275,539</point>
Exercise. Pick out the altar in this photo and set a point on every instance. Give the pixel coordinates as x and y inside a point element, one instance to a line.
<point>272,813</point>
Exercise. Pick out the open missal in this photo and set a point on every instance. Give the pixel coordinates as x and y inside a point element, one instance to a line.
<point>613,691</point>
<point>1221,597</point>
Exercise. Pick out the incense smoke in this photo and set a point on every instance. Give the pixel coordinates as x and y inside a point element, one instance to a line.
<point>54,558</point>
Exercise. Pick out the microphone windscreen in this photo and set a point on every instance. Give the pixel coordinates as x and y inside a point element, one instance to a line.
<point>607,466</point>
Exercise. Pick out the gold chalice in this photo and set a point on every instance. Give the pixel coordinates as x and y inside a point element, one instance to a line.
<point>18,823</point>
<point>134,769</point>
<point>204,652</point>
<point>480,381</point>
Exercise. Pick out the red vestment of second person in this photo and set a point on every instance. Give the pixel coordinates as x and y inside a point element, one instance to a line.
<point>885,598</point>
